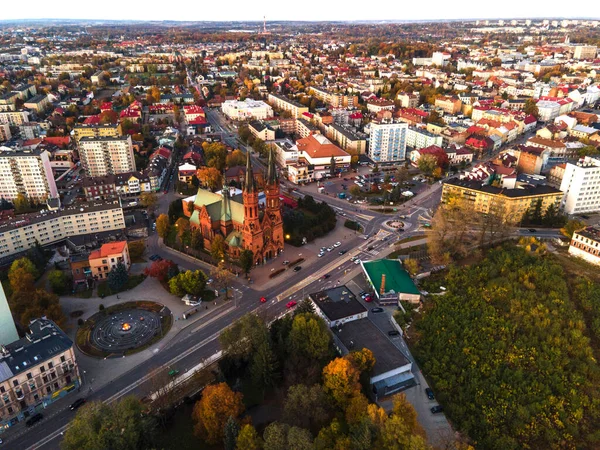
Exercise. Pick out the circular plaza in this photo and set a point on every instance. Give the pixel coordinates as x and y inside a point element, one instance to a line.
<point>124,328</point>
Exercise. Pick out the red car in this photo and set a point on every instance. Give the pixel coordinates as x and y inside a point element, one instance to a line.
<point>291,304</point>
<point>263,299</point>
<point>368,298</point>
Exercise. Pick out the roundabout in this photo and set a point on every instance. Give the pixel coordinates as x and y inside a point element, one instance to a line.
<point>394,224</point>
<point>124,329</point>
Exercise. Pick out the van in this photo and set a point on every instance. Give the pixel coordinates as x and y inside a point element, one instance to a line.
<point>34,419</point>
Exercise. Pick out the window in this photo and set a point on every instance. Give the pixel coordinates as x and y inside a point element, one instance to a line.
<point>10,410</point>
<point>50,365</point>
<point>29,376</point>
<point>42,369</point>
<point>62,358</point>
<point>48,389</point>
<point>45,379</point>
<point>15,382</point>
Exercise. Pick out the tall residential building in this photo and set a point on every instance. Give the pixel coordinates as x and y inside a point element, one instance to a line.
<point>581,186</point>
<point>585,52</point>
<point>35,371</point>
<point>8,330</point>
<point>26,172</point>
<point>14,118</point>
<point>388,141</point>
<point>21,233</point>
<point>107,130</point>
<point>106,155</point>
<point>4,132</point>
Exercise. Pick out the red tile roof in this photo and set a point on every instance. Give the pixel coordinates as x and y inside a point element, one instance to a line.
<point>106,250</point>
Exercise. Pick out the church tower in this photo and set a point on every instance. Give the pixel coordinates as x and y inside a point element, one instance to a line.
<point>252,232</point>
<point>272,222</point>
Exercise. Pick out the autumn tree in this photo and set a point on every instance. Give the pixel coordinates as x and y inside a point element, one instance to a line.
<point>109,117</point>
<point>136,249</point>
<point>215,155</point>
<point>160,270</point>
<point>275,436</point>
<point>20,203</point>
<point>183,227</point>
<point>235,158</point>
<point>22,275</point>
<point>162,225</point>
<point>427,164</point>
<point>356,409</point>
<point>196,239</point>
<point>192,282</point>
<point>60,283</point>
<point>363,360</point>
<point>212,411</point>
<point>210,177</point>
<point>341,380</point>
<point>531,108</point>
<point>306,406</point>
<point>411,265</point>
<point>149,200</point>
<point>217,248</point>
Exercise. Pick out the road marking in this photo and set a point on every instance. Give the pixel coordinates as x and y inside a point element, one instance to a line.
<point>212,319</point>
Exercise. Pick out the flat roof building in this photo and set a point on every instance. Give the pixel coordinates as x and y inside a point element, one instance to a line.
<point>390,281</point>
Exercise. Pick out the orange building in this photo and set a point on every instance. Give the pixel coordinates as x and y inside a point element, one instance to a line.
<point>107,257</point>
<point>240,221</point>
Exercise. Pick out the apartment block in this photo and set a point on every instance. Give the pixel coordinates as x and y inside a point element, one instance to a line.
<point>106,155</point>
<point>581,186</point>
<point>285,104</point>
<point>14,118</point>
<point>39,103</point>
<point>347,138</point>
<point>585,52</point>
<point>450,105</point>
<point>21,233</point>
<point>418,138</point>
<point>388,141</point>
<point>586,244</point>
<point>5,134</point>
<point>81,131</point>
<point>26,172</point>
<point>35,371</point>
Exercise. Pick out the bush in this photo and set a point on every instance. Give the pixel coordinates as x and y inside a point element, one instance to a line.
<point>294,262</point>
<point>277,272</point>
<point>80,321</point>
<point>101,307</point>
<point>353,225</point>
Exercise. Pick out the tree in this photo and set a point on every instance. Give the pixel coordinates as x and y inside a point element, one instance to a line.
<point>160,270</point>
<point>411,265</point>
<point>217,248</point>
<point>175,210</point>
<point>402,175</point>
<point>248,439</point>
<point>162,226</point>
<point>188,282</point>
<point>59,282</point>
<point>246,260</point>
<point>231,433</point>
<point>242,339</point>
<point>117,277</point>
<point>22,275</point>
<point>183,227</point>
<point>306,406</point>
<point>310,337</point>
<point>21,203</point>
<point>427,164</point>
<point>215,155</point>
<point>571,227</point>
<point>149,200</point>
<point>363,360</point>
<point>531,108</point>
<point>221,278</point>
<point>356,409</point>
<point>217,404</point>
<point>190,207</point>
<point>236,158</point>
<point>263,367</point>
<point>332,166</point>
<point>355,190</point>
<point>332,437</point>
<point>109,117</point>
<point>210,177</point>
<point>435,118</point>
<point>136,249</point>
<point>275,436</point>
<point>299,439</point>
<point>120,425</point>
<point>340,381</point>
<point>196,239</point>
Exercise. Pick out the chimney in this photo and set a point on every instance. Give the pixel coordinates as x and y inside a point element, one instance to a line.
<point>382,288</point>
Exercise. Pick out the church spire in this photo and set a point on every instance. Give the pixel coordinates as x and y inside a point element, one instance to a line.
<point>272,170</point>
<point>249,185</point>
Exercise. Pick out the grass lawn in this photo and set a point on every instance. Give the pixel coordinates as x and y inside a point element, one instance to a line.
<point>87,293</point>
<point>133,280</point>
<point>408,251</point>
<point>410,239</point>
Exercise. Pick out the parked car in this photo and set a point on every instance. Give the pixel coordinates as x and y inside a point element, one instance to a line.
<point>437,409</point>
<point>354,258</point>
<point>337,244</point>
<point>286,262</point>
<point>320,254</point>
<point>343,252</point>
<point>368,299</point>
<point>532,230</point>
<point>34,419</point>
<point>76,404</point>
<point>357,261</point>
<point>393,333</point>
<point>376,310</point>
<point>291,304</point>
<point>297,268</point>
<point>263,299</point>
<point>429,393</point>
<point>329,249</point>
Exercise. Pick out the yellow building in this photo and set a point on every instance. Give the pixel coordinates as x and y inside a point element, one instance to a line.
<point>95,131</point>
<point>514,202</point>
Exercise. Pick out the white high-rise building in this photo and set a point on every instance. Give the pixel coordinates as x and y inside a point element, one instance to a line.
<point>106,155</point>
<point>581,186</point>
<point>26,172</point>
<point>585,52</point>
<point>388,141</point>
<point>8,331</point>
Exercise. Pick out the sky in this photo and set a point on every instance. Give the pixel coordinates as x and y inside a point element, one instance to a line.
<point>310,10</point>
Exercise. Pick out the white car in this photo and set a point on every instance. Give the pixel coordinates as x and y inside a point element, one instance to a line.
<point>329,249</point>
<point>337,244</point>
<point>357,261</point>
<point>354,258</point>
<point>320,254</point>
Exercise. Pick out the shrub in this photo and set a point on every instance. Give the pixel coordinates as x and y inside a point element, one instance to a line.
<point>277,272</point>
<point>101,307</point>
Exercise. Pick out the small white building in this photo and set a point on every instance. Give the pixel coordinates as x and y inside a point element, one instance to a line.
<point>586,244</point>
<point>247,110</point>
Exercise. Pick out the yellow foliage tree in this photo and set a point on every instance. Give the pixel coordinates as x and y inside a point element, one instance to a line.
<point>210,177</point>
<point>363,360</point>
<point>340,380</point>
<point>212,411</point>
<point>248,439</point>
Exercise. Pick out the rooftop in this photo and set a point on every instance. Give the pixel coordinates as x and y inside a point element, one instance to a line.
<point>112,248</point>
<point>337,303</point>
<point>592,233</point>
<point>396,278</point>
<point>526,191</point>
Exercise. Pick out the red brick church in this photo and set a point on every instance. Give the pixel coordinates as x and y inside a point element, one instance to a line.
<point>240,220</point>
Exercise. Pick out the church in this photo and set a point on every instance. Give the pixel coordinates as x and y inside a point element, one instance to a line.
<point>239,219</point>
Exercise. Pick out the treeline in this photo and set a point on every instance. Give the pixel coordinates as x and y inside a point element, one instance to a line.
<point>310,220</point>
<point>507,352</point>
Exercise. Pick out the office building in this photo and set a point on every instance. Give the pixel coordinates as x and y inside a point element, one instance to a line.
<point>8,330</point>
<point>106,155</point>
<point>581,186</point>
<point>246,110</point>
<point>388,141</point>
<point>35,371</point>
<point>21,233</point>
<point>26,172</point>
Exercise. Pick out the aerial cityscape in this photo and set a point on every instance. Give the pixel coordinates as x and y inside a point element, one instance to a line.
<point>343,233</point>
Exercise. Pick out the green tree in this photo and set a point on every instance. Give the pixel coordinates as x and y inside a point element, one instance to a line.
<point>59,282</point>
<point>120,425</point>
<point>427,164</point>
<point>196,239</point>
<point>215,155</point>
<point>306,406</point>
<point>117,277</point>
<point>231,432</point>
<point>571,227</point>
<point>244,336</point>
<point>21,203</point>
<point>191,282</point>
<point>264,367</point>
<point>275,436</point>
<point>310,337</point>
<point>248,439</point>
<point>246,260</point>
<point>149,200</point>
